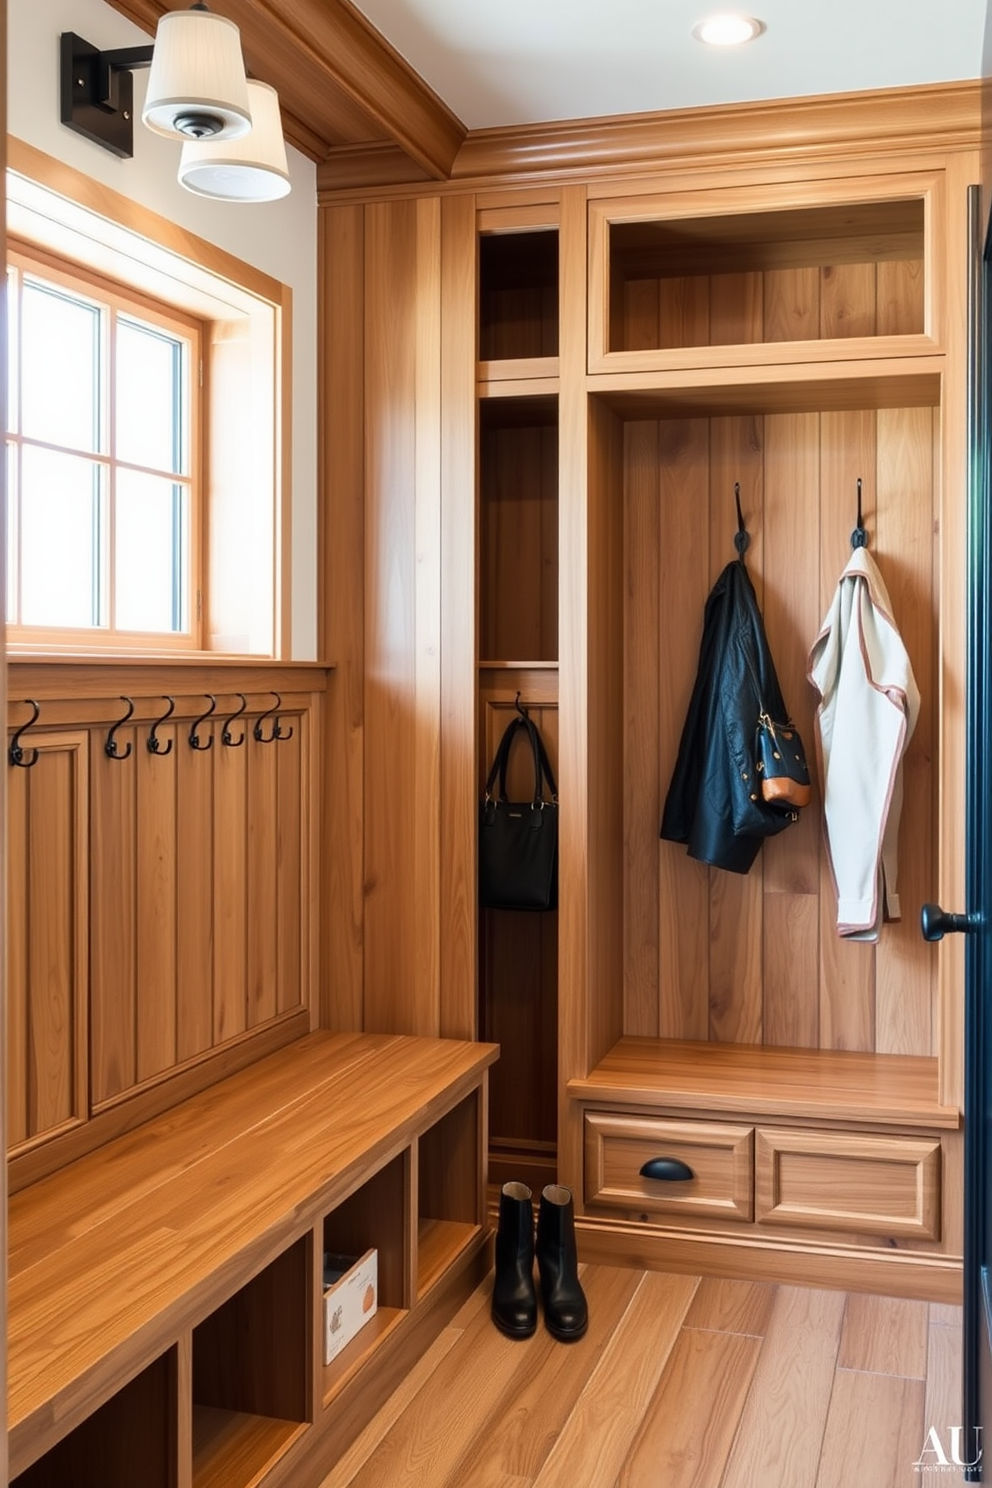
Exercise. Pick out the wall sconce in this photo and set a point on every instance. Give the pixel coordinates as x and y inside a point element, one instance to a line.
<point>197,93</point>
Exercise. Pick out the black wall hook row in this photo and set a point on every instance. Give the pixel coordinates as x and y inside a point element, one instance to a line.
<point>194,736</point>
<point>15,753</point>
<point>226,736</point>
<point>110,749</point>
<point>154,743</point>
<point>859,537</point>
<point>277,729</point>
<point>742,537</point>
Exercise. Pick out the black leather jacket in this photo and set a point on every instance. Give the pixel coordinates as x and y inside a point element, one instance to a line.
<point>714,802</point>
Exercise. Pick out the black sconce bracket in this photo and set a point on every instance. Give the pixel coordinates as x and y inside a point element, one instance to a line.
<point>97,91</point>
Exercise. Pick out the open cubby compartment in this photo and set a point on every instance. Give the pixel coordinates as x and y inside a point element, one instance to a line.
<point>802,274</point>
<point>518,529</point>
<point>689,953</point>
<point>518,1009</point>
<point>251,1386</point>
<point>132,1438</point>
<point>449,1189</point>
<point>518,295</point>
<point>377,1216</point>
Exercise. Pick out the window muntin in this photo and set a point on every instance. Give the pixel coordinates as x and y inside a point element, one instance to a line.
<point>104,512</point>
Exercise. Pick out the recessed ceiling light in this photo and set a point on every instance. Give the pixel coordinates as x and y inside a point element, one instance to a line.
<point>728,30</point>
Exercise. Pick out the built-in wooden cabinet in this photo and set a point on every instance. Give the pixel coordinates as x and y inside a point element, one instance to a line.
<point>791,335</point>
<point>518,646</point>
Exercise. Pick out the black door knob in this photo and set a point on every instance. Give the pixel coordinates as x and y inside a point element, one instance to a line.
<point>936,922</point>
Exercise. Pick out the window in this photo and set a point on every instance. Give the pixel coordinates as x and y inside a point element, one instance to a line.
<point>103,500</point>
<point>164,516</point>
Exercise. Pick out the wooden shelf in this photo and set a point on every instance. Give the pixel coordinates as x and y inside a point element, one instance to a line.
<point>711,386</point>
<point>439,1243</point>
<point>518,666</point>
<point>811,1084</point>
<point>234,1450</point>
<point>518,369</point>
<point>351,1359</point>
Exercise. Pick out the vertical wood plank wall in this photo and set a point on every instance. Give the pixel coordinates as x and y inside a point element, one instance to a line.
<point>756,958</point>
<point>400,509</point>
<point>159,903</point>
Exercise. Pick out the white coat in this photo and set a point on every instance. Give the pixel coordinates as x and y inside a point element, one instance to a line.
<point>869,704</point>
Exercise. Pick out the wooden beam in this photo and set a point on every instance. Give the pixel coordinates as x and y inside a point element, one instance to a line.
<point>339,81</point>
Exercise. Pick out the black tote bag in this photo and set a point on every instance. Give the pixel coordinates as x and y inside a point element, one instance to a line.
<point>518,840</point>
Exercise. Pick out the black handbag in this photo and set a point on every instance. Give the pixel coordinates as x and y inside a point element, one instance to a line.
<point>518,840</point>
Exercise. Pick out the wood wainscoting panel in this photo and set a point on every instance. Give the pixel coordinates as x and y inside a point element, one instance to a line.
<point>47,939</point>
<point>158,898</point>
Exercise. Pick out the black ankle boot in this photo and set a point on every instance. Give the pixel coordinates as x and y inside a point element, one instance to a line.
<point>514,1296</point>
<point>566,1314</point>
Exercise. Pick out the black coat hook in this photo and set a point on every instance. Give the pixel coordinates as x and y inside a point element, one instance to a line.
<point>15,753</point>
<point>110,749</point>
<point>742,537</point>
<point>226,737</point>
<point>155,745</point>
<point>859,537</point>
<point>277,729</point>
<point>520,707</point>
<point>194,736</point>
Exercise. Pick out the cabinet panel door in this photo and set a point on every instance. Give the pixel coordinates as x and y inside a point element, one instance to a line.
<point>717,1154</point>
<point>852,1181</point>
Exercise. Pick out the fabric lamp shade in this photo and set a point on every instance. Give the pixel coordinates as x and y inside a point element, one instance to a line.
<point>250,169</point>
<point>197,85</point>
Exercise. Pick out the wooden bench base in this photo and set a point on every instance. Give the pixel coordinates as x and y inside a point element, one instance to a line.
<point>166,1293</point>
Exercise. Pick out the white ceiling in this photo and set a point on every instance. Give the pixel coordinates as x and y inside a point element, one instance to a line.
<point>500,62</point>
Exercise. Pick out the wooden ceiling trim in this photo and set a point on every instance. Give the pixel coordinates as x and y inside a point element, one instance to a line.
<point>361,166</point>
<point>339,81</point>
<point>848,124</point>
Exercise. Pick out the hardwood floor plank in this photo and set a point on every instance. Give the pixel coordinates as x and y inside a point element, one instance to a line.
<point>884,1335</point>
<point>874,1431</point>
<point>431,1436</point>
<point>689,1427</point>
<point>361,1449</point>
<point>732,1306</point>
<point>781,1430</point>
<point>943,1401</point>
<point>523,1430</point>
<point>599,1432</point>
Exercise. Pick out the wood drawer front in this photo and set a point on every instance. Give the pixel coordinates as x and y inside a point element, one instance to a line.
<point>720,1156</point>
<point>872,1185</point>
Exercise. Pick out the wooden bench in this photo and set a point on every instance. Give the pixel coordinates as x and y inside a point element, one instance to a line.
<point>165,1294</point>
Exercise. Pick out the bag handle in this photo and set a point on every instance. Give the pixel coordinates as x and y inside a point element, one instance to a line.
<point>542,765</point>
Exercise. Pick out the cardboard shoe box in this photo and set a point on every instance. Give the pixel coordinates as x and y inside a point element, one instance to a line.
<point>351,1297</point>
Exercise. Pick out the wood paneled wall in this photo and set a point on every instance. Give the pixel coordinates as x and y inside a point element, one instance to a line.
<point>401,788</point>
<point>756,958</point>
<point>159,904</point>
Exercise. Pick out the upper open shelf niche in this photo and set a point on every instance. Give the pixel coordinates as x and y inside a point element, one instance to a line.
<point>807,275</point>
<point>518,295</point>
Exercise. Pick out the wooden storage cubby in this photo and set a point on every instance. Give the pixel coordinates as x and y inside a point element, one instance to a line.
<point>130,1439</point>
<point>811,267</point>
<point>449,1190</point>
<point>518,625</point>
<point>250,1375</point>
<point>518,289</point>
<point>377,1215</point>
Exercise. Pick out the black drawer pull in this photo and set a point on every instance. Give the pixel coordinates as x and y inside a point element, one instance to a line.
<point>668,1169</point>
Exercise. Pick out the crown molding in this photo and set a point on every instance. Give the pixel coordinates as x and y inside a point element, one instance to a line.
<point>937,116</point>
